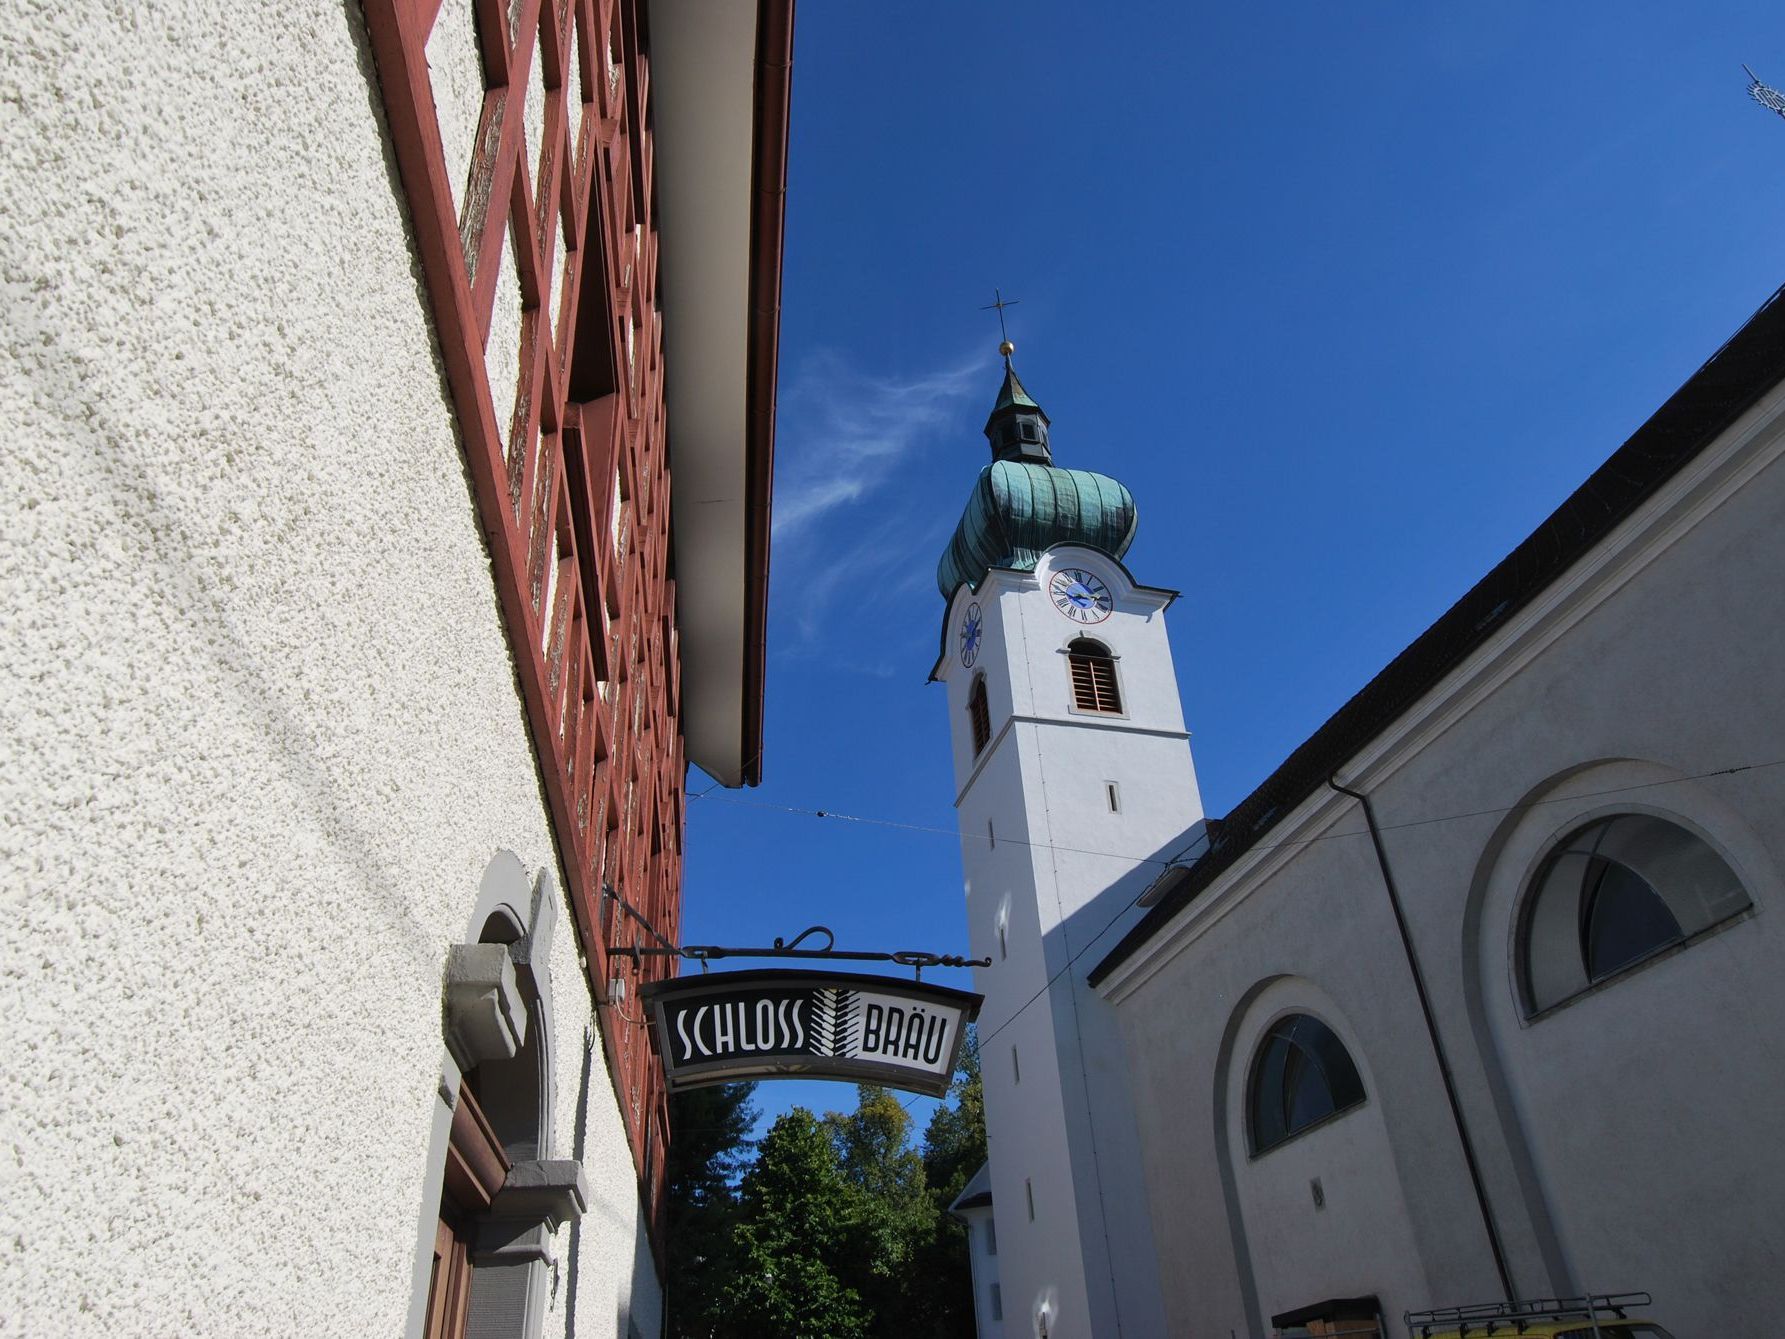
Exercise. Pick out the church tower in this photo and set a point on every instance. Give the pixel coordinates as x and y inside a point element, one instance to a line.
<point>1074,789</point>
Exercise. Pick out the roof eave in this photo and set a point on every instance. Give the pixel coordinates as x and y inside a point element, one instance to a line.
<point>721,79</point>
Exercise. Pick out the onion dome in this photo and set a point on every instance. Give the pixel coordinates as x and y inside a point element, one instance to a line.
<point>1023,504</point>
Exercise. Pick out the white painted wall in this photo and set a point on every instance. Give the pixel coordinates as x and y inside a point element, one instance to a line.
<point>988,1319</point>
<point>258,726</point>
<point>1304,1251</point>
<point>1627,1139</point>
<point>1063,869</point>
<point>1650,1098</point>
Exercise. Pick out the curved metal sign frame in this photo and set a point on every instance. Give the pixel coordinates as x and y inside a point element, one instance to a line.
<point>721,1027</point>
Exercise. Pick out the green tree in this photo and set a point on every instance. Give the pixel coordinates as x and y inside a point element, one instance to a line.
<point>893,1213</point>
<point>954,1148</point>
<point>838,1228</point>
<point>709,1149</point>
<point>954,1144</point>
<point>797,1239</point>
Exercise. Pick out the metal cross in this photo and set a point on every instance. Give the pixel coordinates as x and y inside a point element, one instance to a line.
<point>1000,304</point>
<point>1769,98</point>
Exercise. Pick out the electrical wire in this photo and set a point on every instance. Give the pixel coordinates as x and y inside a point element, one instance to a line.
<point>1262,846</point>
<point>702,794</point>
<point>928,828</point>
<point>1385,827</point>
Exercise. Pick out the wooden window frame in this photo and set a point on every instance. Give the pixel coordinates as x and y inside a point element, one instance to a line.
<point>979,715</point>
<point>1091,673</point>
<point>476,1167</point>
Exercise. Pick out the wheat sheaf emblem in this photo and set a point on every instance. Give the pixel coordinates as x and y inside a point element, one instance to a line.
<point>836,1022</point>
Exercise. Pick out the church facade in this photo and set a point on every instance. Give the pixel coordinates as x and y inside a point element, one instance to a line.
<point>384,532</point>
<point>1475,997</point>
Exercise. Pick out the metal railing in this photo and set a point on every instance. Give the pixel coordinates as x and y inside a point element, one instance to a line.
<point>1504,1318</point>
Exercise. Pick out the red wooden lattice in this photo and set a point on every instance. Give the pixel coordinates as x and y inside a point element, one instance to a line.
<point>553,216</point>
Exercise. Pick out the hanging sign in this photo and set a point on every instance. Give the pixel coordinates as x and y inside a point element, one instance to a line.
<point>776,1024</point>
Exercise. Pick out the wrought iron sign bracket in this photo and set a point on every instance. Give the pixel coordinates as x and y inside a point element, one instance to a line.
<point>915,959</point>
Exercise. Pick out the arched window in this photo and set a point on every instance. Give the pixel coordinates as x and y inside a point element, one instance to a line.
<point>485,1265</point>
<point>1613,894</point>
<point>980,715</point>
<point>1301,1076</point>
<point>1093,671</point>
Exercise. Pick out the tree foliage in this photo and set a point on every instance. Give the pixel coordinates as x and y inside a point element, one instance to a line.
<point>709,1149</point>
<point>892,1214</point>
<point>839,1227</point>
<point>954,1144</point>
<point>954,1148</point>
<point>798,1238</point>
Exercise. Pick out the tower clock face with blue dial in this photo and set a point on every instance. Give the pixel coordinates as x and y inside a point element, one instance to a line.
<point>971,627</point>
<point>1080,595</point>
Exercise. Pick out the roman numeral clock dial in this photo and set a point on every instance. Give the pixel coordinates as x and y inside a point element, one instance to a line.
<point>1080,595</point>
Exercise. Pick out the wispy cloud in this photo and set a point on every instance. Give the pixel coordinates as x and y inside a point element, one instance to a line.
<point>843,431</point>
<point>858,562</point>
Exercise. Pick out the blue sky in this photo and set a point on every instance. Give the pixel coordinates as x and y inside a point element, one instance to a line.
<point>1350,296</point>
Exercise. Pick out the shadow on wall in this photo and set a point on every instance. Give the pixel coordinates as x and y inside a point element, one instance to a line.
<point>1666,1030</point>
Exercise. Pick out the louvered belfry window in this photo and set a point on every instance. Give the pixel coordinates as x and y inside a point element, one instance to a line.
<point>1093,672</point>
<point>980,715</point>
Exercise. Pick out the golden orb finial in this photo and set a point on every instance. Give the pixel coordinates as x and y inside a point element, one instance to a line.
<point>998,304</point>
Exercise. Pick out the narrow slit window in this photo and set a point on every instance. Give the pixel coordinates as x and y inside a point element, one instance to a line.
<point>1016,1067</point>
<point>1093,672</point>
<point>1114,795</point>
<point>980,715</point>
<point>991,835</point>
<point>1029,1190</point>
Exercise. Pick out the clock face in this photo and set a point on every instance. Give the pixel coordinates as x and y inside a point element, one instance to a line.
<point>971,626</point>
<point>1080,595</point>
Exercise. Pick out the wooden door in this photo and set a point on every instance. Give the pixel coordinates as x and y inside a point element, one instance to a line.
<point>449,1289</point>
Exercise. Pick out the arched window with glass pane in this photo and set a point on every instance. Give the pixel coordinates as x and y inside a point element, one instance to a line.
<point>1301,1076</point>
<point>1612,895</point>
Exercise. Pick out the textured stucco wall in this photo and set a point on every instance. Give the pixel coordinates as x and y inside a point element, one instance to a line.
<point>984,1266</point>
<point>259,734</point>
<point>1066,866</point>
<point>1626,1139</point>
<point>1303,1251</point>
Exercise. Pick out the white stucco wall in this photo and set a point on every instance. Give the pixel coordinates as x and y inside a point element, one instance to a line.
<point>1626,1139</point>
<point>1066,867</point>
<point>1303,1250</point>
<point>984,1266</point>
<point>1673,1069</point>
<point>259,733</point>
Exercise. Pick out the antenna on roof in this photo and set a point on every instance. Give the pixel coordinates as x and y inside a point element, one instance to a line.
<point>1769,98</point>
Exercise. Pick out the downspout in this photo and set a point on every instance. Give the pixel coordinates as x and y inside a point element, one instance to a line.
<point>1425,1008</point>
